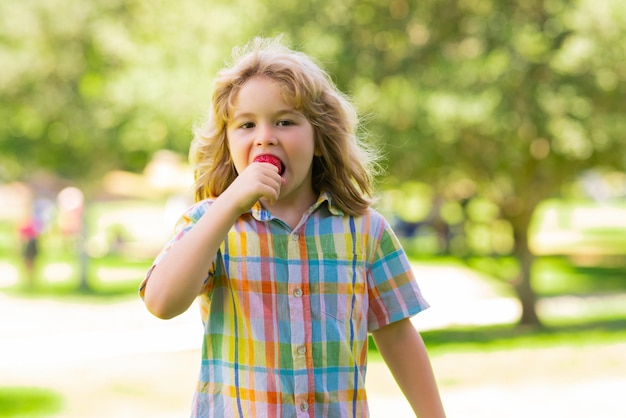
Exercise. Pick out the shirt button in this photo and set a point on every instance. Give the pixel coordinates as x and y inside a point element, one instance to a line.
<point>297,293</point>
<point>304,406</point>
<point>294,237</point>
<point>301,349</point>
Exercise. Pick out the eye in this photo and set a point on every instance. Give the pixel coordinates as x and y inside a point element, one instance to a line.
<point>284,123</point>
<point>247,125</point>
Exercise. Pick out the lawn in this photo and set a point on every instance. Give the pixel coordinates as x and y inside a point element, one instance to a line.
<point>467,361</point>
<point>585,333</point>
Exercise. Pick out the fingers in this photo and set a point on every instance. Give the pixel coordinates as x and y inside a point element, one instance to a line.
<point>270,184</point>
<point>257,181</point>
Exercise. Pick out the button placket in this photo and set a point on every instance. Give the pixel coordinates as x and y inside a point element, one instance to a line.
<point>297,279</point>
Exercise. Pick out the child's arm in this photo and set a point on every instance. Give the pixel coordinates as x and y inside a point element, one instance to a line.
<point>405,354</point>
<point>179,276</point>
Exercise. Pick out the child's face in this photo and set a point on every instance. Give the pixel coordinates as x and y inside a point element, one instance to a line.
<point>262,123</point>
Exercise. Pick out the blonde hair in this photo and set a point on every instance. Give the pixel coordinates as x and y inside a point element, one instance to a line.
<point>346,166</point>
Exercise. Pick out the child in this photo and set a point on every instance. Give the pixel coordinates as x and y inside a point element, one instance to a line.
<point>291,265</point>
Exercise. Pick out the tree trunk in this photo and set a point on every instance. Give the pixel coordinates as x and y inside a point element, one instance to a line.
<point>523,284</point>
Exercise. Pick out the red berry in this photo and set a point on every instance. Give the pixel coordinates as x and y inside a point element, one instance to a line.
<point>268,158</point>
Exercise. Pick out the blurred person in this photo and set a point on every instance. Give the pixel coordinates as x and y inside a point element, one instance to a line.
<point>292,265</point>
<point>29,232</point>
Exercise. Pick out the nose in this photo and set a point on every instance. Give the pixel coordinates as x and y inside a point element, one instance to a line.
<point>265,135</point>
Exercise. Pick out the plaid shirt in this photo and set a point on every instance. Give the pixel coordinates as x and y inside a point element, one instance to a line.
<point>287,312</point>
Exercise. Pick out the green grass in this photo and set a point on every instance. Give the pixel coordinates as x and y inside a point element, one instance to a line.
<point>560,275</point>
<point>505,337</point>
<point>27,402</point>
<point>510,337</point>
<point>564,275</point>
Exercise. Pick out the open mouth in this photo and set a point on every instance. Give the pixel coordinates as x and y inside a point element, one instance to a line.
<point>275,161</point>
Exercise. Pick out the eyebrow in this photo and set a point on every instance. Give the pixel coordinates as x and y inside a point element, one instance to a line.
<point>276,114</point>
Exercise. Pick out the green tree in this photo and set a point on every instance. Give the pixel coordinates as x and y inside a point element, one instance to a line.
<point>87,87</point>
<point>90,87</point>
<point>514,98</point>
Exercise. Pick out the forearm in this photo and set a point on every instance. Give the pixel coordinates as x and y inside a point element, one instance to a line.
<point>179,276</point>
<point>405,354</point>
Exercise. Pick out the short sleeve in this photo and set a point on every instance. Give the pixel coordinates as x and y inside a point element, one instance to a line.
<point>184,225</point>
<point>393,290</point>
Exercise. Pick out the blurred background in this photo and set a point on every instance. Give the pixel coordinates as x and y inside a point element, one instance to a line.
<point>504,135</point>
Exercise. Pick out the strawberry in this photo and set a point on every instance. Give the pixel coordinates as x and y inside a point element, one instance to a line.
<point>268,158</point>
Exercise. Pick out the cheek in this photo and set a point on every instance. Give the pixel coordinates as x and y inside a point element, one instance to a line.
<point>234,144</point>
<point>308,151</point>
<point>238,161</point>
<point>233,155</point>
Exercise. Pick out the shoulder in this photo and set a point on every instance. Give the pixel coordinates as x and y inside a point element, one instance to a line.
<point>374,230</point>
<point>380,237</point>
<point>192,215</point>
<point>195,211</point>
<point>373,222</point>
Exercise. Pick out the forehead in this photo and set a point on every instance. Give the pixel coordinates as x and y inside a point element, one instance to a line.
<point>262,89</point>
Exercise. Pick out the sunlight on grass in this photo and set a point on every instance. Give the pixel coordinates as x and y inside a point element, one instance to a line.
<point>9,274</point>
<point>57,272</point>
<point>569,310</point>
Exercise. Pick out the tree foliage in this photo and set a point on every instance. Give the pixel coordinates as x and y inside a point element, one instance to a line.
<point>87,87</point>
<point>508,101</point>
<point>505,100</point>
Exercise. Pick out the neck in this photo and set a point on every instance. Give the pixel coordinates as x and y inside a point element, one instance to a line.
<point>290,212</point>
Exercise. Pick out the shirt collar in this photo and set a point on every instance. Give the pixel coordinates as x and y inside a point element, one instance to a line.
<point>332,208</point>
<point>261,214</point>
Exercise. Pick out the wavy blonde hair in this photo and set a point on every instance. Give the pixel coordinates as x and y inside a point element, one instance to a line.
<point>346,166</point>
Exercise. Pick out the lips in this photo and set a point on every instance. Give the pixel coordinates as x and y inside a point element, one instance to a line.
<point>268,158</point>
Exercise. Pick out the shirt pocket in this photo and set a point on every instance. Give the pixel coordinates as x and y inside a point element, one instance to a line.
<point>338,286</point>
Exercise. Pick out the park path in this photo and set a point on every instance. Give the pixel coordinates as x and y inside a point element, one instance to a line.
<point>116,360</point>
<point>82,331</point>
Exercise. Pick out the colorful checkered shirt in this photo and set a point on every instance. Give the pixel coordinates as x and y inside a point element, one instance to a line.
<point>287,312</point>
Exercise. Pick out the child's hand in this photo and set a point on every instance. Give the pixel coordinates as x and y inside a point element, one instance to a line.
<point>258,180</point>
